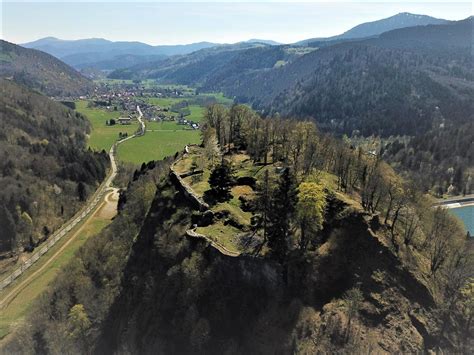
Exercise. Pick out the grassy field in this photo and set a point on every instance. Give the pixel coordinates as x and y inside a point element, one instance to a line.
<point>156,145</point>
<point>15,312</point>
<point>220,98</point>
<point>102,136</point>
<point>163,101</point>
<point>165,125</point>
<point>197,113</point>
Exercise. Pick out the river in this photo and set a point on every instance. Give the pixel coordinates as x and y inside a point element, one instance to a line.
<point>466,214</point>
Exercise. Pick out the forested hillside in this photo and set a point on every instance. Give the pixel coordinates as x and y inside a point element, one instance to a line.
<point>308,281</point>
<point>214,67</point>
<point>387,86</point>
<point>45,171</point>
<point>441,160</point>
<point>41,71</point>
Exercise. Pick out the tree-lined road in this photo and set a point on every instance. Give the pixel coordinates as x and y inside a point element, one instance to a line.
<point>85,214</point>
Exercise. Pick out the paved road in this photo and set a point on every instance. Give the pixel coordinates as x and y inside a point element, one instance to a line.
<point>456,201</point>
<point>142,123</point>
<point>19,287</point>
<point>83,214</point>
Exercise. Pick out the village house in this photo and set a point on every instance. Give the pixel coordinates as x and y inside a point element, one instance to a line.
<point>124,120</point>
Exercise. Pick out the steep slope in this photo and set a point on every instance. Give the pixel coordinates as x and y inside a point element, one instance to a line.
<point>221,65</point>
<point>375,28</point>
<point>180,295</point>
<point>117,62</point>
<point>45,171</point>
<point>41,71</point>
<point>246,305</point>
<point>362,86</point>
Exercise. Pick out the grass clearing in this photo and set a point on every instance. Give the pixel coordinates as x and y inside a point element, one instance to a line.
<point>165,126</point>
<point>225,235</point>
<point>220,98</point>
<point>163,102</point>
<point>197,113</point>
<point>102,136</point>
<point>156,145</point>
<point>202,185</point>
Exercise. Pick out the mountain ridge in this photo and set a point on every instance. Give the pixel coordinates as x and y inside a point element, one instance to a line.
<point>377,27</point>
<point>41,71</point>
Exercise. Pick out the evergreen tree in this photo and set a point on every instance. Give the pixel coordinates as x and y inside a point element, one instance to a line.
<point>81,191</point>
<point>221,181</point>
<point>281,213</point>
<point>263,206</point>
<point>7,229</point>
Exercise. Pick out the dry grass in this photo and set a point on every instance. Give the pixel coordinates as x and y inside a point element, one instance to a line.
<point>226,235</point>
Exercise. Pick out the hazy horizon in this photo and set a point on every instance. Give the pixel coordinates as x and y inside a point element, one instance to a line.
<point>164,23</point>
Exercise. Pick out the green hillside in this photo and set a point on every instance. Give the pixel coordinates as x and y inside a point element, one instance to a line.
<point>41,71</point>
<point>43,162</point>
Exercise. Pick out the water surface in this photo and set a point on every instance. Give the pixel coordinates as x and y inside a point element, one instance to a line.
<point>466,214</point>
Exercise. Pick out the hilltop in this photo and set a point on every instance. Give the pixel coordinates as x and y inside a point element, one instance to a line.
<point>268,237</point>
<point>41,71</point>
<point>375,28</point>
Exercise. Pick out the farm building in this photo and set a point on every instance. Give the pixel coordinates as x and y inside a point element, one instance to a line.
<point>124,120</point>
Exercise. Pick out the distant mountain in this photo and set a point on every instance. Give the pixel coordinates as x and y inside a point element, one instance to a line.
<point>264,41</point>
<point>197,67</point>
<point>375,28</point>
<point>97,51</point>
<point>118,62</point>
<point>387,85</point>
<point>41,71</point>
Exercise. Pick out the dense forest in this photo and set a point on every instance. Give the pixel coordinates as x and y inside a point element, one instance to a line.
<point>385,86</point>
<point>45,170</point>
<point>41,71</point>
<point>441,161</point>
<point>226,62</point>
<point>322,211</point>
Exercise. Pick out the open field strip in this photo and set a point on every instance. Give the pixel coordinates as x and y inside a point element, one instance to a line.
<point>156,145</point>
<point>16,301</point>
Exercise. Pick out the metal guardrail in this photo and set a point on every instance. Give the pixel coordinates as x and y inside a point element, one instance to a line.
<point>78,217</point>
<point>52,240</point>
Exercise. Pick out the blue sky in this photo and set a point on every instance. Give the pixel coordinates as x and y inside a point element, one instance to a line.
<point>160,22</point>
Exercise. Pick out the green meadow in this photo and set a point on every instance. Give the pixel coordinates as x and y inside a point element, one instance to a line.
<point>102,136</point>
<point>162,139</point>
<point>156,145</point>
<point>165,126</point>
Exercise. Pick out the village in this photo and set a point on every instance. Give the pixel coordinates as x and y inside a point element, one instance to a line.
<point>158,104</point>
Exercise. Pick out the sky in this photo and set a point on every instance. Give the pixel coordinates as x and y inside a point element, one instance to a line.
<point>181,22</point>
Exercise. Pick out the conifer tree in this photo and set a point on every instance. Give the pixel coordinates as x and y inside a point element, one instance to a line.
<point>282,211</point>
<point>221,181</point>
